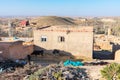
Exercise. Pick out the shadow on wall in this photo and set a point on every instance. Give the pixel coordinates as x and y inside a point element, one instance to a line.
<point>55,52</point>
<point>106,54</point>
<point>116,47</point>
<point>103,55</point>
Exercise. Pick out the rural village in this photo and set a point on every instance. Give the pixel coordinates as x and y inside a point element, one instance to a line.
<point>57,48</point>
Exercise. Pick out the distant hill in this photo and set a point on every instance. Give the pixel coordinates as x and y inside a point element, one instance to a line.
<point>52,20</point>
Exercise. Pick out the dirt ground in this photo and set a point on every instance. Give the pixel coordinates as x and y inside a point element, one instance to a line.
<point>43,61</point>
<point>94,71</point>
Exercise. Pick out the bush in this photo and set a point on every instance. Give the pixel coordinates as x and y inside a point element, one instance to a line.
<point>111,72</point>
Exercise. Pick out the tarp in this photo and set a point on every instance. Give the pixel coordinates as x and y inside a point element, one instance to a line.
<point>72,63</point>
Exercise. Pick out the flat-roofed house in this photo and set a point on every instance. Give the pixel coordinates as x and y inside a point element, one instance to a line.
<point>76,40</point>
<point>14,50</point>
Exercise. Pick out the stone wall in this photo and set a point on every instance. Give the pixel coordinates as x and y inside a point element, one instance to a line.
<point>105,45</point>
<point>117,56</point>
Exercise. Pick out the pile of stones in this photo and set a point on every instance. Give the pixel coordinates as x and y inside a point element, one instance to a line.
<point>57,72</point>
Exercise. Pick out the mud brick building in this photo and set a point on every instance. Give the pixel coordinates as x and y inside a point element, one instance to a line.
<point>76,40</point>
<point>14,50</point>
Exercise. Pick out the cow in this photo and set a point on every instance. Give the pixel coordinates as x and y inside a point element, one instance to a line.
<point>55,51</point>
<point>38,52</point>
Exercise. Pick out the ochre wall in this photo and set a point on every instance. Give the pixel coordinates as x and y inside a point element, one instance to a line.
<point>117,56</point>
<point>19,51</point>
<point>15,50</point>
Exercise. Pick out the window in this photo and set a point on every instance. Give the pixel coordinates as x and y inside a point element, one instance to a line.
<point>61,39</point>
<point>43,38</point>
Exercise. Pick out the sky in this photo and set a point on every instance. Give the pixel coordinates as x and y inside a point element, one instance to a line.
<point>59,7</point>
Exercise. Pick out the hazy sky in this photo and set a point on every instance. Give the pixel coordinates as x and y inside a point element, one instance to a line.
<point>60,7</point>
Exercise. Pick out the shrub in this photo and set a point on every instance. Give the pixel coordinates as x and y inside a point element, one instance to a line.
<point>111,72</point>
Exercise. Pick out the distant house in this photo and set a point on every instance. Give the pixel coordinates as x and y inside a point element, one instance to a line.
<point>24,23</point>
<point>82,19</point>
<point>108,20</point>
<point>75,40</point>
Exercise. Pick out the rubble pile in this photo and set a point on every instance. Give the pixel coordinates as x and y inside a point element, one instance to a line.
<point>9,65</point>
<point>20,72</point>
<point>58,72</point>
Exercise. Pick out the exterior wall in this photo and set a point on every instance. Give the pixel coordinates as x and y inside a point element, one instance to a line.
<point>105,45</point>
<point>18,51</point>
<point>78,41</point>
<point>117,56</point>
<point>4,51</point>
<point>15,50</point>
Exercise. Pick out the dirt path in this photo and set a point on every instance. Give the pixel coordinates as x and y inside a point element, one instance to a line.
<point>94,71</point>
